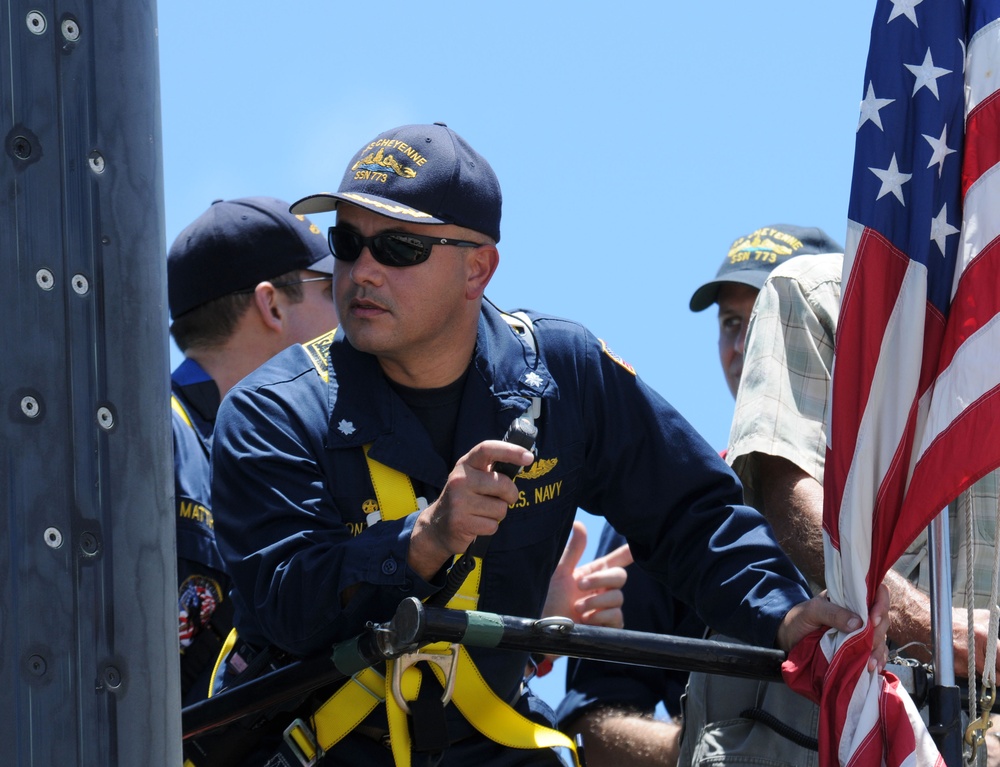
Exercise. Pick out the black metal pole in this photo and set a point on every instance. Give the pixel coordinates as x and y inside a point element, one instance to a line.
<point>88,589</point>
<point>945,725</point>
<point>415,624</point>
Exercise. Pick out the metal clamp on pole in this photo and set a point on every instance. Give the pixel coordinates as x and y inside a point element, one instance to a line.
<point>447,662</point>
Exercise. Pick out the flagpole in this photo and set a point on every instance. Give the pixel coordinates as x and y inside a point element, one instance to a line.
<point>945,723</point>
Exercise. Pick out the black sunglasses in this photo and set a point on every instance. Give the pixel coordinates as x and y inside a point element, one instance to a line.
<point>388,248</point>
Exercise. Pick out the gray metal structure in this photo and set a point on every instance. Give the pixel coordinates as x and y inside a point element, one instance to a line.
<point>88,621</point>
<point>945,709</point>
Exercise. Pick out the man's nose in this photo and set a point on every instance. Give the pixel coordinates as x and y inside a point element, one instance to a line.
<point>366,269</point>
<point>740,344</point>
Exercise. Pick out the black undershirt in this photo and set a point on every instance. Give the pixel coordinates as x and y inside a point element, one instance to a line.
<point>437,410</point>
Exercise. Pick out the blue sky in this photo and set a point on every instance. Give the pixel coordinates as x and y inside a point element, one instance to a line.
<point>633,141</point>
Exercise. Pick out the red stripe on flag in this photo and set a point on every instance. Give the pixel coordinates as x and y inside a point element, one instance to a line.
<point>867,304</point>
<point>897,734</point>
<point>956,459</point>
<point>806,668</point>
<point>976,301</point>
<point>982,142</point>
<point>890,490</point>
<point>887,538</point>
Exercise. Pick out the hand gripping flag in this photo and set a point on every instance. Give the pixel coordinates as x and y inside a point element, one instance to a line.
<point>917,362</point>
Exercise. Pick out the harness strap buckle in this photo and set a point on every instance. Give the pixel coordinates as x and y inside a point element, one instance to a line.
<point>378,693</point>
<point>300,739</point>
<point>446,661</point>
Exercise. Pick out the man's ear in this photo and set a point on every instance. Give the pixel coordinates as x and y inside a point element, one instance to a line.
<point>482,263</point>
<point>267,304</point>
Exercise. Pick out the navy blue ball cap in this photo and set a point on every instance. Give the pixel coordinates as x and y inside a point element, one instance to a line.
<point>424,174</point>
<point>237,244</point>
<point>752,257</point>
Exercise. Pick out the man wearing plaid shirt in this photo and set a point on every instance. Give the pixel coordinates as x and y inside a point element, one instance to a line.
<point>778,447</point>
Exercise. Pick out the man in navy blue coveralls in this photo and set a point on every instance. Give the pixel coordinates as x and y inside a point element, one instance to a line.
<point>430,375</point>
<point>245,280</point>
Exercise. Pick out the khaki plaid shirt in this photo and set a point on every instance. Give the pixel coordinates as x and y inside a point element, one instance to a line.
<point>782,409</point>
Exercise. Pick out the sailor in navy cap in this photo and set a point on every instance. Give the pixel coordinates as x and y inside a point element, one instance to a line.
<point>349,474</point>
<point>245,280</point>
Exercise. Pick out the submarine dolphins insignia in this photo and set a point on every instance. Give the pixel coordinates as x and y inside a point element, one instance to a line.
<point>539,468</point>
<point>380,161</point>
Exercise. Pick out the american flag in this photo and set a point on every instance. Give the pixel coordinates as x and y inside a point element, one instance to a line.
<point>917,363</point>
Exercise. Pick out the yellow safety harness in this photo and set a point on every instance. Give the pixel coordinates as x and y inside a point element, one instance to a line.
<point>451,664</point>
<point>177,407</point>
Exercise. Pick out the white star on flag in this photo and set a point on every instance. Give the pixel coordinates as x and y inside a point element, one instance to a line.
<point>892,180</point>
<point>870,107</point>
<point>905,8</point>
<point>941,149</point>
<point>927,75</point>
<point>941,229</point>
<point>534,380</point>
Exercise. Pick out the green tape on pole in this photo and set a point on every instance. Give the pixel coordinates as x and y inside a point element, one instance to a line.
<point>347,657</point>
<point>485,629</point>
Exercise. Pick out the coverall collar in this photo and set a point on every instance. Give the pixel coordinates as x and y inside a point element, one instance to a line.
<point>506,374</point>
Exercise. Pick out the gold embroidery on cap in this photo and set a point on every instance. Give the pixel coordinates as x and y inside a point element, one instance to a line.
<point>389,208</point>
<point>763,246</point>
<point>379,162</point>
